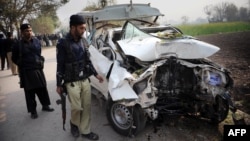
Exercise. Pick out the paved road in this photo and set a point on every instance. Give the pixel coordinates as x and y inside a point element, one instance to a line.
<point>16,124</point>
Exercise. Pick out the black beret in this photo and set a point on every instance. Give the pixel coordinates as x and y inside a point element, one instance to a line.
<point>25,26</point>
<point>76,20</point>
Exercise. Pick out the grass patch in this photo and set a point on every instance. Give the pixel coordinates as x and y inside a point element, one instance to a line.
<point>214,28</point>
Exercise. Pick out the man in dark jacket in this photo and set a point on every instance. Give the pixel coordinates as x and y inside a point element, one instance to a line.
<point>8,44</point>
<point>73,69</point>
<point>3,53</point>
<point>26,53</point>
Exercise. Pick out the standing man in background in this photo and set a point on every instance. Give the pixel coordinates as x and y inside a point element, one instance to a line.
<point>3,53</point>
<point>73,69</point>
<point>26,54</point>
<point>8,44</point>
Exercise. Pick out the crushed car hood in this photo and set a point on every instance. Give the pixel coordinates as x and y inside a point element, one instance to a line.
<point>152,48</point>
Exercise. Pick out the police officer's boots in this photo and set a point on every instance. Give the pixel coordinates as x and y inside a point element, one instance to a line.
<point>74,130</point>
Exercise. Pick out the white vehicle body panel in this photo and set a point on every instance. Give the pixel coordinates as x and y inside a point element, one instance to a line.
<point>152,48</point>
<point>186,48</point>
<point>118,86</point>
<point>122,12</point>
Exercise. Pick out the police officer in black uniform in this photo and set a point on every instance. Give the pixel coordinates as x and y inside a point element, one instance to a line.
<point>73,69</point>
<point>26,54</point>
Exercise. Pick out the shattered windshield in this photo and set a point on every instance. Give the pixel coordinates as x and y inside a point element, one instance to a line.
<point>163,32</point>
<point>131,31</point>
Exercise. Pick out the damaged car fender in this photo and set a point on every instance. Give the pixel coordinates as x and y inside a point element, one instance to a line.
<point>116,84</point>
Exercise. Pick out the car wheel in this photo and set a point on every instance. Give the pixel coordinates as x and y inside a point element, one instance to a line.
<point>127,121</point>
<point>221,109</point>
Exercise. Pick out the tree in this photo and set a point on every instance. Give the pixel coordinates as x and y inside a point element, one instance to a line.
<point>231,12</point>
<point>15,12</point>
<point>225,11</point>
<point>91,7</point>
<point>99,5</point>
<point>243,14</point>
<point>103,3</point>
<point>184,19</point>
<point>209,11</point>
<point>220,9</point>
<point>44,25</point>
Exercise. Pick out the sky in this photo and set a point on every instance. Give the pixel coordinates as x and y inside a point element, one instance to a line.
<point>172,9</point>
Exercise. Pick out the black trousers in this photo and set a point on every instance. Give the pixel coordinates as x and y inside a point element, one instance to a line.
<point>3,59</point>
<point>30,96</point>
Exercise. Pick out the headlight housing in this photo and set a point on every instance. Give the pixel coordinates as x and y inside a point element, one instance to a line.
<point>214,78</point>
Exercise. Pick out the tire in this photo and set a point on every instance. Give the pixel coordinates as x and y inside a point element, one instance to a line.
<point>221,109</point>
<point>127,121</point>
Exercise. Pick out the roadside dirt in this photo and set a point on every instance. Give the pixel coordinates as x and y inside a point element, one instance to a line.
<point>235,56</point>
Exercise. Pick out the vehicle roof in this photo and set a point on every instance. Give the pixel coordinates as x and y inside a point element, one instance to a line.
<point>122,12</point>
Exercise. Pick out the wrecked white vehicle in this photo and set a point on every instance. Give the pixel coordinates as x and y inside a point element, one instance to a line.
<point>153,71</point>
